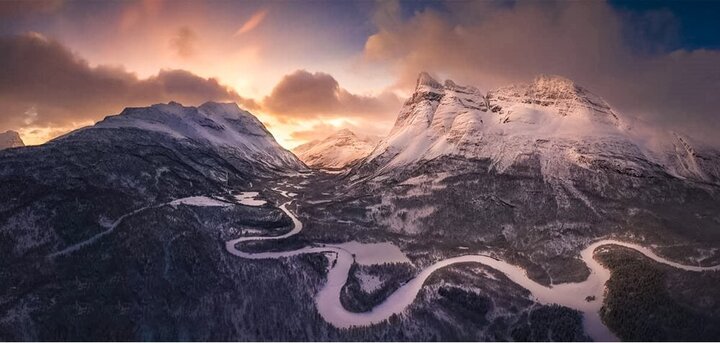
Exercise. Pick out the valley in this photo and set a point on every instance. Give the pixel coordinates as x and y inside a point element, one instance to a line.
<point>586,296</point>
<point>472,220</point>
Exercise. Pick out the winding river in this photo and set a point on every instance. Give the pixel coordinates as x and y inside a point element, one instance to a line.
<point>572,295</point>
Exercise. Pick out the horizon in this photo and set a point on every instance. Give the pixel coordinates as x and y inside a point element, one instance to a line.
<point>305,68</point>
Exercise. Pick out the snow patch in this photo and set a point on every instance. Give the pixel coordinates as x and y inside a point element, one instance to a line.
<point>200,201</point>
<point>248,199</point>
<point>369,283</point>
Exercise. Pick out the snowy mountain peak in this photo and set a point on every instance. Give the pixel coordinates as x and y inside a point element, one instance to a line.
<point>425,80</point>
<point>336,151</point>
<point>554,84</point>
<point>551,117</point>
<point>561,94</point>
<point>10,139</point>
<point>221,125</point>
<point>344,133</point>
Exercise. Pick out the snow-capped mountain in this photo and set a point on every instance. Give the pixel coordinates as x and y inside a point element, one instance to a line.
<point>541,168</point>
<point>10,139</point>
<point>139,157</point>
<point>221,125</point>
<point>336,151</point>
<point>565,124</point>
<point>101,205</point>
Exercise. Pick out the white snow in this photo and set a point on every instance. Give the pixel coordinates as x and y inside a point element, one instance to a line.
<point>248,199</point>
<point>369,283</point>
<point>335,151</point>
<point>10,139</point>
<point>201,201</point>
<point>564,124</point>
<point>569,294</point>
<point>223,125</point>
<point>317,202</point>
<point>284,193</point>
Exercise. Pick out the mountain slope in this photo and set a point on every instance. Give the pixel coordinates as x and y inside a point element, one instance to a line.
<point>221,125</point>
<point>562,122</point>
<point>138,158</point>
<point>10,139</point>
<point>97,246</point>
<point>336,151</point>
<point>540,169</point>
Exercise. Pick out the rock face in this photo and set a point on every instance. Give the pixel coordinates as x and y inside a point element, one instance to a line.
<point>223,126</point>
<point>540,169</point>
<point>10,139</point>
<point>336,151</point>
<point>560,122</point>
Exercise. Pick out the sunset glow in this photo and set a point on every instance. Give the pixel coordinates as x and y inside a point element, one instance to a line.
<point>359,170</point>
<point>361,58</point>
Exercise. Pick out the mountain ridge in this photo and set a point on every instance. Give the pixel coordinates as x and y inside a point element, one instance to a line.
<point>222,125</point>
<point>336,151</point>
<point>503,124</point>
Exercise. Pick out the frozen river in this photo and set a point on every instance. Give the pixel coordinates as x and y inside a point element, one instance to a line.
<point>572,295</point>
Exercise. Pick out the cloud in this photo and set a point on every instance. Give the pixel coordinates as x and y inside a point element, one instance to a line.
<point>305,95</point>
<point>255,20</point>
<point>13,8</point>
<point>183,43</point>
<point>622,58</point>
<point>44,85</point>
<point>317,131</point>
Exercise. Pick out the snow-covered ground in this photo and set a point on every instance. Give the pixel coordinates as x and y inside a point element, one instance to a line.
<point>10,139</point>
<point>317,202</point>
<point>201,201</point>
<point>564,124</point>
<point>335,151</point>
<point>223,125</point>
<point>369,283</point>
<point>572,295</point>
<point>248,199</point>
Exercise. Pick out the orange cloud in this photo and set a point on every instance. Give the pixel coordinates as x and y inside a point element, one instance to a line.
<point>46,89</point>
<point>135,12</point>
<point>19,8</point>
<point>305,95</point>
<point>488,44</point>
<point>183,43</point>
<point>252,23</point>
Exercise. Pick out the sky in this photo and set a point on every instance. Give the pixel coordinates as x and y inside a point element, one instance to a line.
<point>307,68</point>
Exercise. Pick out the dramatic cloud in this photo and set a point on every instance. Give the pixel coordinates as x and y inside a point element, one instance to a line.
<point>183,43</point>
<point>318,131</point>
<point>43,85</point>
<point>493,44</point>
<point>252,23</point>
<point>305,95</point>
<point>11,8</point>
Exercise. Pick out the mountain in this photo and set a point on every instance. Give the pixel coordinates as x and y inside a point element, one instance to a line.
<point>223,126</point>
<point>179,223</point>
<point>94,228</point>
<point>336,151</point>
<point>540,169</point>
<point>10,139</point>
<point>562,123</point>
<point>137,158</point>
